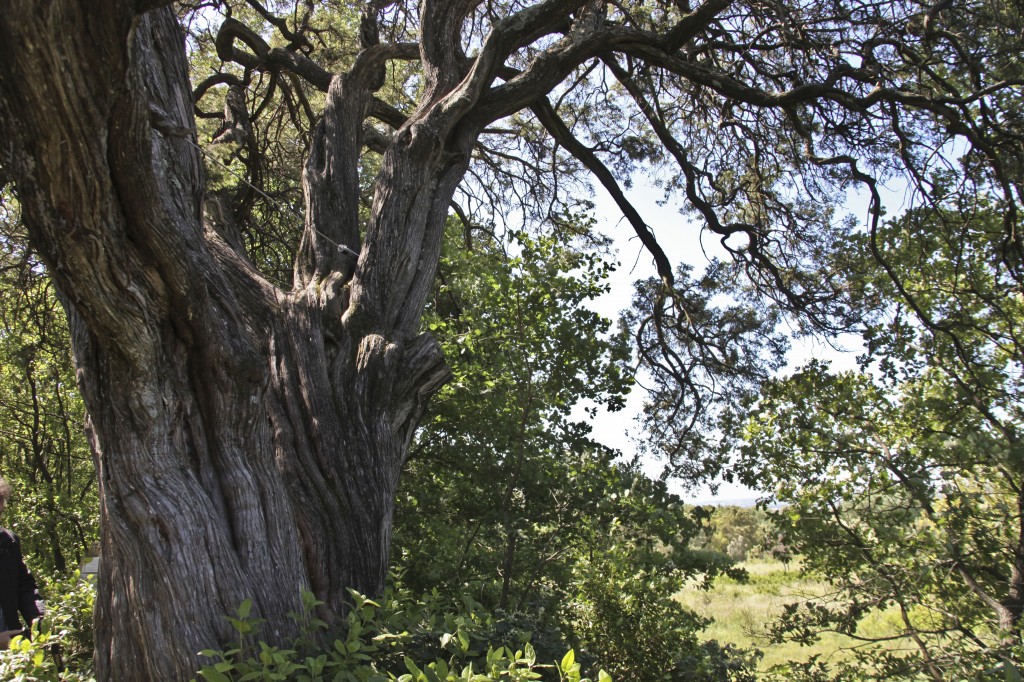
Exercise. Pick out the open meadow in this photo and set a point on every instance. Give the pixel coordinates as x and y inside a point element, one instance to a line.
<point>743,612</point>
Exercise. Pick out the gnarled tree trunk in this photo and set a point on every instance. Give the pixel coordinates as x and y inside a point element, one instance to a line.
<point>248,439</point>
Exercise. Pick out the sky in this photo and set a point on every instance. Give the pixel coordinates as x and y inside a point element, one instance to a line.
<point>681,240</point>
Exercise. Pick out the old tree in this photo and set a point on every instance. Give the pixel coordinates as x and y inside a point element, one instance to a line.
<point>250,431</point>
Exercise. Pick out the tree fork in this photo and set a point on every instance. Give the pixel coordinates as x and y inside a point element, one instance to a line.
<point>211,393</point>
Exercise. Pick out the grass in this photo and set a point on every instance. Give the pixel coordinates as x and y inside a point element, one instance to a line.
<point>742,612</point>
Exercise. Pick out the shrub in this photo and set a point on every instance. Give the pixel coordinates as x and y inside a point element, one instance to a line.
<point>399,638</point>
<point>625,619</point>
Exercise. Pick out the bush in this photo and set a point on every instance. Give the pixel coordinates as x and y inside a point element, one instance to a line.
<point>624,620</point>
<point>616,621</point>
<point>399,638</point>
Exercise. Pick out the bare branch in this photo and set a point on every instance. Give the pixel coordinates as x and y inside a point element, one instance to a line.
<point>559,131</point>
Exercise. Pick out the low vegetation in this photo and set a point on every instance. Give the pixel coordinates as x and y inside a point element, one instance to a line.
<point>743,612</point>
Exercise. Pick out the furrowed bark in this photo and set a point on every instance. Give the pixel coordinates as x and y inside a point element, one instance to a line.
<point>248,440</point>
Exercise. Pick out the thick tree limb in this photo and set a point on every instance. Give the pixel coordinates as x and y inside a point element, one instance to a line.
<point>555,63</point>
<point>142,6</point>
<point>441,43</point>
<point>372,59</point>
<point>506,36</point>
<point>263,55</point>
<point>296,41</point>
<point>375,139</point>
<point>386,113</point>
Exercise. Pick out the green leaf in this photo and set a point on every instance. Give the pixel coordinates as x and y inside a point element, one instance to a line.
<point>568,661</point>
<point>214,675</point>
<point>411,667</point>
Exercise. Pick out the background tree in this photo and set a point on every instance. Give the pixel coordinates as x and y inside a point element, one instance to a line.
<point>43,450</point>
<point>250,434</point>
<point>742,533</point>
<point>499,479</point>
<point>901,485</point>
<point>507,499</point>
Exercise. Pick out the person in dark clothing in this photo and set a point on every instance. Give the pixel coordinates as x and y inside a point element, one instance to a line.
<point>19,597</point>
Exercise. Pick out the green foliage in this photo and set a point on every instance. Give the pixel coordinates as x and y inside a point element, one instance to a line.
<point>813,670</point>
<point>395,638</point>
<point>501,476</point>
<point>743,533</point>
<point>624,616</point>
<point>508,499</point>
<point>902,484</point>
<point>43,450</point>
